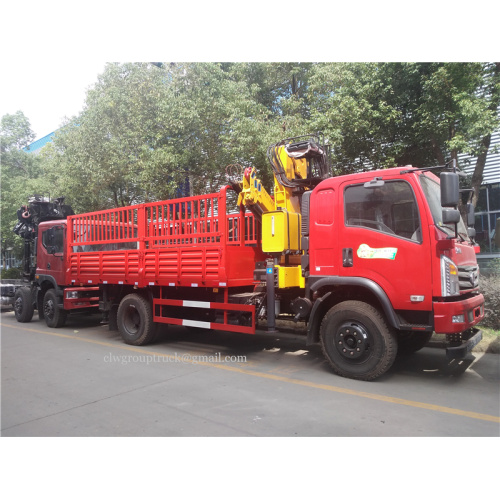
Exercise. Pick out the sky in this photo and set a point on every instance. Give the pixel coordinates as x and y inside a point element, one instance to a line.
<point>47,90</point>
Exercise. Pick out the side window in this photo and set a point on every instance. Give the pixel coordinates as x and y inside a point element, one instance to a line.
<point>53,239</point>
<point>390,208</point>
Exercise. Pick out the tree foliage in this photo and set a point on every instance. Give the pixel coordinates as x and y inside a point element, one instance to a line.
<point>20,173</point>
<point>404,113</point>
<point>152,131</point>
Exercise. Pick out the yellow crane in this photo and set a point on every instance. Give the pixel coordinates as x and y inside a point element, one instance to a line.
<point>299,164</point>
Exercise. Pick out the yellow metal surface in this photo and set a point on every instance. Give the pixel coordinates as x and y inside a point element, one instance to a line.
<point>280,231</point>
<point>283,196</point>
<point>290,276</point>
<point>254,193</point>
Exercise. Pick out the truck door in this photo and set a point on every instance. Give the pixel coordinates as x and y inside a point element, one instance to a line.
<point>386,234</point>
<point>324,224</point>
<point>50,255</point>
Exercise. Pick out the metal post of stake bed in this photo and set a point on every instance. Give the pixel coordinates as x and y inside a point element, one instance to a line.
<point>271,313</point>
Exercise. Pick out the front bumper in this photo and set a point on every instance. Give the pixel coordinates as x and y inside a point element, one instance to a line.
<point>469,340</point>
<point>469,313</point>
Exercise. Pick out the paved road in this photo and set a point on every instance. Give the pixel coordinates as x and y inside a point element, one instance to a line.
<point>82,380</point>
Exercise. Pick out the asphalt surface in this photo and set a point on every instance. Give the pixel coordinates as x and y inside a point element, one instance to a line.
<point>82,380</point>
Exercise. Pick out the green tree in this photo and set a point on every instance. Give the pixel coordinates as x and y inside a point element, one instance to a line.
<point>106,155</point>
<point>19,174</point>
<point>145,130</point>
<point>405,113</point>
<point>213,120</point>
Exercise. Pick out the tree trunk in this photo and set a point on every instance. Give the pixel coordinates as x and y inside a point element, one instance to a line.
<point>437,152</point>
<point>477,177</point>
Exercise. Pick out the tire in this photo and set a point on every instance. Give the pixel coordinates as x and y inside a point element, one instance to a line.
<point>55,317</point>
<point>135,320</point>
<point>23,305</point>
<point>357,341</point>
<point>410,342</point>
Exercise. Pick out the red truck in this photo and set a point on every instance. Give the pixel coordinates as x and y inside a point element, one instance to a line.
<point>371,263</point>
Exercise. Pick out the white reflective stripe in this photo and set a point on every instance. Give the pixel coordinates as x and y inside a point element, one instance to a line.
<point>197,324</point>
<point>195,303</point>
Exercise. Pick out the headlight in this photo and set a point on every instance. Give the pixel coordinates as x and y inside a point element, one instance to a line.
<point>449,278</point>
<point>71,295</point>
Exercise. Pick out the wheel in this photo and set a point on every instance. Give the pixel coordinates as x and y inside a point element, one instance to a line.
<point>135,320</point>
<point>23,305</point>
<point>410,342</point>
<point>55,317</point>
<point>357,341</point>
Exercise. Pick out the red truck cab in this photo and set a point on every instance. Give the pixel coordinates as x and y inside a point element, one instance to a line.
<point>380,235</point>
<point>51,252</point>
<point>56,295</point>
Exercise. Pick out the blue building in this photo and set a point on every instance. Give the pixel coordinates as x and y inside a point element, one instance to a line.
<point>36,146</point>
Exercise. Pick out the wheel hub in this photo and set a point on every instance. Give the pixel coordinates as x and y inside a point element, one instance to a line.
<point>132,320</point>
<point>352,340</point>
<point>48,309</point>
<point>18,305</point>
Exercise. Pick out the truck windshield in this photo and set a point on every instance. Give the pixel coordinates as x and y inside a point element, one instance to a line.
<point>433,194</point>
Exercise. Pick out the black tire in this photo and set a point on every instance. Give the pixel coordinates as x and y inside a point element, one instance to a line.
<point>410,342</point>
<point>135,320</point>
<point>55,317</point>
<point>23,305</point>
<point>357,341</point>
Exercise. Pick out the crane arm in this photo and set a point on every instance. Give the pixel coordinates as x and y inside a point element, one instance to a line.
<point>253,194</point>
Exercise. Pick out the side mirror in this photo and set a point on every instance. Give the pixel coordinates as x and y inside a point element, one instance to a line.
<point>449,189</point>
<point>471,218</point>
<point>451,216</point>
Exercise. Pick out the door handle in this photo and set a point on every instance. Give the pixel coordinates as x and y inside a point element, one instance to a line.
<point>347,260</point>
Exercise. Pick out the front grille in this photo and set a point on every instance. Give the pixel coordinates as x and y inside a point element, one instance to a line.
<point>468,277</point>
